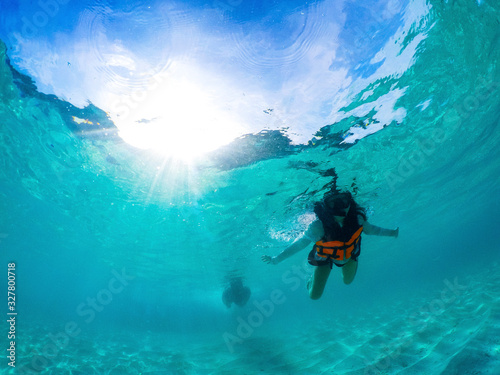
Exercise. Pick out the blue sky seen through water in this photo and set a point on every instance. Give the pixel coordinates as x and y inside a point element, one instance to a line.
<point>148,65</point>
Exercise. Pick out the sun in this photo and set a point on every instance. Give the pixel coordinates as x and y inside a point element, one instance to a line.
<point>177,118</point>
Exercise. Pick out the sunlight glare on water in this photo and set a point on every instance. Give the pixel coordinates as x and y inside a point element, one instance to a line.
<point>176,117</point>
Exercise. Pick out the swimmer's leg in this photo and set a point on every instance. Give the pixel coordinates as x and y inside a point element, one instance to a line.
<point>318,280</point>
<point>349,271</point>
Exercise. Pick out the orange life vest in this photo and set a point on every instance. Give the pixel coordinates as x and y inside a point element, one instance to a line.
<point>338,250</point>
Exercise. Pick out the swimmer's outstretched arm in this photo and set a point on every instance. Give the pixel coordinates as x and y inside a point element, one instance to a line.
<point>298,245</point>
<point>378,231</point>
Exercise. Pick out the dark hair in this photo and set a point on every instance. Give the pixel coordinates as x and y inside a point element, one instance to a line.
<point>325,213</point>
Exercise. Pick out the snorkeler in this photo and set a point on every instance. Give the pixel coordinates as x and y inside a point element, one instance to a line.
<point>236,293</point>
<point>337,238</point>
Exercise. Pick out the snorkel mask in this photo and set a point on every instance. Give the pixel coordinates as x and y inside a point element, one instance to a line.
<point>338,203</point>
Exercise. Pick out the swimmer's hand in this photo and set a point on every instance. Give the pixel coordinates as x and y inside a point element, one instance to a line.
<point>395,232</point>
<point>269,259</point>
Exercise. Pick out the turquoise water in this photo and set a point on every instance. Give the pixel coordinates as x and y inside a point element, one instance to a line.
<point>122,255</point>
